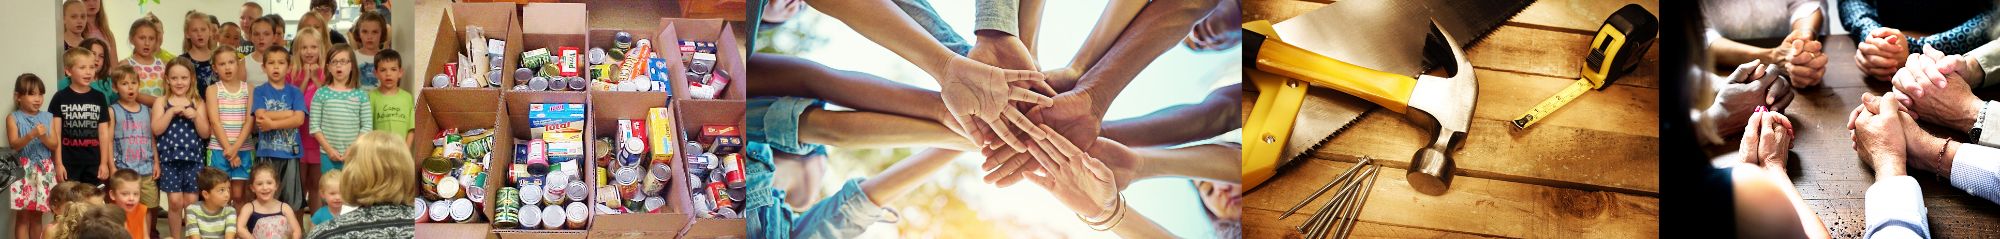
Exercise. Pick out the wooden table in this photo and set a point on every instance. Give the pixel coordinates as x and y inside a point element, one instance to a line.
<point>1834,180</point>
<point>1589,170</point>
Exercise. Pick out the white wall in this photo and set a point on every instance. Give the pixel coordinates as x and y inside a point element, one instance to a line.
<point>34,50</point>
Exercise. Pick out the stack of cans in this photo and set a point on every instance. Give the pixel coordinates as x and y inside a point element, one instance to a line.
<point>454,176</point>
<point>635,183</point>
<point>703,79</point>
<point>715,179</point>
<point>546,70</point>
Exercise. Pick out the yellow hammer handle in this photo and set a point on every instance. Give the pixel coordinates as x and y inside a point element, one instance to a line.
<point>1389,90</point>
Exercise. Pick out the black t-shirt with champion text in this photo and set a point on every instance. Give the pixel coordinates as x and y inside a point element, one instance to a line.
<point>81,115</point>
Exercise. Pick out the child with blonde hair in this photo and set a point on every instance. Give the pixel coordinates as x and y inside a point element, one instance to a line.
<point>125,193</point>
<point>179,140</point>
<point>199,47</point>
<point>84,120</point>
<point>329,192</point>
<point>229,108</point>
<point>73,202</point>
<point>132,135</point>
<point>266,217</point>
<point>145,59</point>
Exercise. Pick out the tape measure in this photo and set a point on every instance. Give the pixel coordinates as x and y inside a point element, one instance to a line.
<point>1619,43</point>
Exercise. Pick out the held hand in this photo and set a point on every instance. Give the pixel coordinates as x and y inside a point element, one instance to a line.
<point>1936,90</point>
<point>1007,52</point>
<point>1752,85</point>
<point>1767,140</point>
<point>1878,137</point>
<point>1882,53</point>
<point>1122,160</point>
<point>1090,196</point>
<point>1073,116</point>
<point>1806,64</point>
<point>977,94</point>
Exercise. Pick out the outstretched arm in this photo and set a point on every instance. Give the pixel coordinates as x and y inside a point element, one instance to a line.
<point>905,175</point>
<point>1179,124</point>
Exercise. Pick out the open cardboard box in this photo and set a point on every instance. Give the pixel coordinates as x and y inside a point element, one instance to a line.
<point>551,26</point>
<point>673,216</point>
<point>693,114</point>
<point>437,111</point>
<point>516,105</point>
<point>733,10</point>
<point>498,21</point>
<point>729,56</point>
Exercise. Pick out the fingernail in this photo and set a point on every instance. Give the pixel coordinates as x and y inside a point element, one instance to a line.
<point>1760,109</point>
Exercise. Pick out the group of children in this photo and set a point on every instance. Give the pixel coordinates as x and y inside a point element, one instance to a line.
<point>202,127</point>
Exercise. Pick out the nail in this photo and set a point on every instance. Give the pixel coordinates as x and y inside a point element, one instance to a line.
<point>1760,109</point>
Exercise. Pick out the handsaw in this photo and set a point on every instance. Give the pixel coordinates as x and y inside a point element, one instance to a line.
<point>1389,36</point>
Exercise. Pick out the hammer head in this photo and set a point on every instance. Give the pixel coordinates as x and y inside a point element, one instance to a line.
<point>1443,103</point>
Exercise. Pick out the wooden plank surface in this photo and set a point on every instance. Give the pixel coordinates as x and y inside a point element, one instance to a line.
<point>1589,169</point>
<point>1833,179</point>
<point>1474,207</point>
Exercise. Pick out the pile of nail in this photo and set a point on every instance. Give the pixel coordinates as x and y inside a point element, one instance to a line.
<point>1337,217</point>
<point>478,65</point>
<point>453,182</point>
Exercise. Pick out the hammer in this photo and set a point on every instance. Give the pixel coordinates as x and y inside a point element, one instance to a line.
<point>1432,102</point>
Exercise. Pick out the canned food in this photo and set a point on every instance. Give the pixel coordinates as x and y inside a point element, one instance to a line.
<point>510,197</point>
<point>531,194</point>
<point>475,192</point>
<point>578,215</point>
<point>447,188</point>
<point>609,196</point>
<point>461,210</point>
<point>626,176</point>
<point>721,194</point>
<point>553,217</point>
<point>653,204</point>
<point>734,166</point>
<point>577,192</point>
<point>440,211</point>
<point>421,207</point>
<point>530,216</point>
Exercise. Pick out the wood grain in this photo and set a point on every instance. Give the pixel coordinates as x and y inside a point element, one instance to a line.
<point>1475,206</point>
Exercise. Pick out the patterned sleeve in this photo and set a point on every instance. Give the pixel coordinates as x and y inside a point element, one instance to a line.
<point>1859,16</point>
<point>367,113</point>
<point>316,115</point>
<point>1960,39</point>
<point>229,224</point>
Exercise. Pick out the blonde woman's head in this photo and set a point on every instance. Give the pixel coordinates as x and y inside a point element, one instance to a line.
<point>379,172</point>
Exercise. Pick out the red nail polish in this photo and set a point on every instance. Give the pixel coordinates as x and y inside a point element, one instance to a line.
<point>1760,109</point>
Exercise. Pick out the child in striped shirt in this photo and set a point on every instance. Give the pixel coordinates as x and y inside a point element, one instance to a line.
<point>340,110</point>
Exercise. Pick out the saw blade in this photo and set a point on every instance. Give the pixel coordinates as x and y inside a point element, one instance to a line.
<point>1323,114</point>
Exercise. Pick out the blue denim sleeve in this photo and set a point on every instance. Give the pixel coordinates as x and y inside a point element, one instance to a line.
<point>846,214</point>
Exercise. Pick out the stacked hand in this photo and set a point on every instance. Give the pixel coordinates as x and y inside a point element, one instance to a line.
<point>1767,140</point>
<point>1752,85</point>
<point>1936,87</point>
<point>1086,187</point>
<point>1804,60</point>
<point>1882,52</point>
<point>1882,130</point>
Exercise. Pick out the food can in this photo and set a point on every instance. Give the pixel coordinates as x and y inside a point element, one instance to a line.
<point>531,194</point>
<point>578,215</point>
<point>461,210</point>
<point>721,194</point>
<point>653,204</point>
<point>440,211</point>
<point>448,187</point>
<point>553,217</point>
<point>530,216</point>
<point>510,197</point>
<point>577,192</point>
<point>422,207</point>
<point>734,166</point>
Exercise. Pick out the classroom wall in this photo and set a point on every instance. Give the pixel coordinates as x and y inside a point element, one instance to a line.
<point>37,54</point>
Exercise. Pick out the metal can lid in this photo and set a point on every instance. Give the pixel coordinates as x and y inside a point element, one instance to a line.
<point>476,193</point>
<point>662,171</point>
<point>577,212</point>
<point>653,204</point>
<point>461,210</point>
<point>626,176</point>
<point>578,192</point>
<point>553,217</point>
<point>531,194</point>
<point>440,211</point>
<point>448,187</point>
<point>530,216</point>
<point>421,206</point>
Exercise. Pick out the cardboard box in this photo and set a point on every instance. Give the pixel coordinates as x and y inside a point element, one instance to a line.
<point>439,110</point>
<point>551,26</point>
<point>498,21</point>
<point>516,106</point>
<point>690,116</point>
<point>729,55</point>
<point>733,10</point>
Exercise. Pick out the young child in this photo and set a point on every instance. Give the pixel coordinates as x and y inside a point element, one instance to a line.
<point>103,222</point>
<point>340,113</point>
<point>145,58</point>
<point>231,39</point>
<point>132,132</point>
<point>76,22</point>
<point>310,54</point>
<point>180,140</point>
<point>279,110</point>
<point>265,32</point>
<point>213,218</point>
<point>199,47</point>
<point>73,202</point>
<point>329,191</point>
<point>124,188</point>
<point>96,25</point>
<point>394,109</point>
<point>29,130</point>
<point>104,62</point>
<point>229,111</point>
<point>371,32</point>
<point>267,218</point>
<point>85,120</point>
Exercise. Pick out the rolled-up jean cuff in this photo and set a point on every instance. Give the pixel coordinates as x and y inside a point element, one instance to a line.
<point>775,121</point>
<point>768,216</point>
<point>846,214</point>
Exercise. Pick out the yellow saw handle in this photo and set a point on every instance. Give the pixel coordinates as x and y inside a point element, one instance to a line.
<point>1389,90</point>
